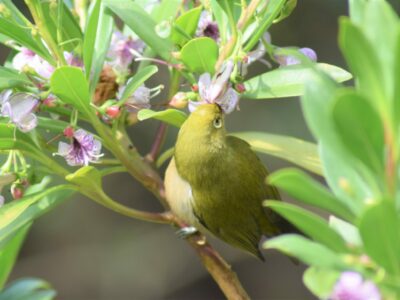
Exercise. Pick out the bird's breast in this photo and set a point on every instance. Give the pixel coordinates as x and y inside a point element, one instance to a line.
<point>179,195</point>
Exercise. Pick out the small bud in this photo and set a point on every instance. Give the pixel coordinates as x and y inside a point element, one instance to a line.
<point>69,132</point>
<point>179,100</point>
<point>113,111</point>
<point>17,192</point>
<point>240,88</point>
<point>49,102</point>
<point>195,88</point>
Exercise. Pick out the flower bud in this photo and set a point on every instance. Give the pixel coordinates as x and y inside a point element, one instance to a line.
<point>49,102</point>
<point>69,132</point>
<point>179,100</point>
<point>112,111</point>
<point>17,192</point>
<point>240,88</point>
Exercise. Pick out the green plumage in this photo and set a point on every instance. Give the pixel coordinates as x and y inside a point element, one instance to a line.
<point>227,182</point>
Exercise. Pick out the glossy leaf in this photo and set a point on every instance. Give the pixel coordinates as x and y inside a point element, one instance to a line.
<point>62,25</point>
<point>170,116</point>
<point>287,10</point>
<point>305,189</point>
<point>97,41</point>
<point>363,61</point>
<point>52,125</point>
<point>10,78</point>
<point>380,232</point>
<point>296,151</point>
<point>137,80</point>
<point>165,10</point>
<point>320,281</point>
<point>28,289</point>
<point>312,225</point>
<point>184,27</point>
<point>70,85</point>
<point>348,231</point>
<point>200,55</point>
<point>19,32</point>
<point>360,129</point>
<point>140,22</point>
<point>307,251</point>
<point>18,214</point>
<point>288,81</point>
<point>9,252</point>
<point>338,164</point>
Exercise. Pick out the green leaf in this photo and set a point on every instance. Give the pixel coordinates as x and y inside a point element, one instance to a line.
<point>28,289</point>
<point>360,129</point>
<point>338,164</point>
<point>348,231</point>
<point>170,116</point>
<point>287,10</point>
<point>299,152</point>
<point>165,10</point>
<point>9,253</point>
<point>185,26</point>
<point>301,186</point>
<point>62,25</point>
<point>200,55</point>
<point>140,22</point>
<point>320,281</point>
<point>312,225</point>
<point>13,139</point>
<point>16,29</point>
<point>52,125</point>
<point>273,10</point>
<point>364,63</point>
<point>307,251</point>
<point>288,81</point>
<point>380,232</point>
<point>17,214</point>
<point>137,80</point>
<point>96,42</point>
<point>70,85</point>
<point>10,78</point>
<point>88,177</point>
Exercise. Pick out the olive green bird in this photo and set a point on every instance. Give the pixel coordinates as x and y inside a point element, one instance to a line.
<point>216,182</point>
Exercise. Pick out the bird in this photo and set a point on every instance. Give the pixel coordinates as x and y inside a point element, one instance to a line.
<point>216,183</point>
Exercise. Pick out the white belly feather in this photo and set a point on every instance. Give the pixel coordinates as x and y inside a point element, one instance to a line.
<point>179,195</point>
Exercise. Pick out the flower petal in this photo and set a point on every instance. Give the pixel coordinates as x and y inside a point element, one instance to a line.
<point>27,123</point>
<point>204,85</point>
<point>21,105</point>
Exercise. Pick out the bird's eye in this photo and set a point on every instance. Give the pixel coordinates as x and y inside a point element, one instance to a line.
<point>217,122</point>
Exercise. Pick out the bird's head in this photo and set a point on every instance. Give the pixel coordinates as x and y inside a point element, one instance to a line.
<point>201,139</point>
<point>206,121</point>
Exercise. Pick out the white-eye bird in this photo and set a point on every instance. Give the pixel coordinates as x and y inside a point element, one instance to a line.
<point>216,182</point>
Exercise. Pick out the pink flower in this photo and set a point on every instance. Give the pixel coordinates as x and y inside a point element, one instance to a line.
<point>19,108</point>
<point>351,286</point>
<point>139,99</point>
<point>121,51</point>
<point>218,90</point>
<point>83,150</point>
<point>27,58</point>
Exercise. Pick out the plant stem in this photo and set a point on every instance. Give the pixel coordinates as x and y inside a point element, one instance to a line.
<point>162,129</point>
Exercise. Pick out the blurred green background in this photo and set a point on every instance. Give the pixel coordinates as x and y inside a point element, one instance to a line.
<point>88,252</point>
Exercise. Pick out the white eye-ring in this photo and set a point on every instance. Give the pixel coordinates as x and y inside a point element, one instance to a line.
<point>217,122</point>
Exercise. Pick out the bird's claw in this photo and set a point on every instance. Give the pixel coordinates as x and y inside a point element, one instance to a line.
<point>186,232</point>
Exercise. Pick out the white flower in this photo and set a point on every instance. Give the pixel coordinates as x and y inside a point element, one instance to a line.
<point>218,90</point>
<point>19,108</point>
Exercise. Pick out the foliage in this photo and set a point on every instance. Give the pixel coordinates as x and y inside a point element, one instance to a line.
<point>82,68</point>
<point>357,132</point>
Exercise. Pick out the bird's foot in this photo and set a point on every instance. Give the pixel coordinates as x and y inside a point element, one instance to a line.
<point>186,232</point>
